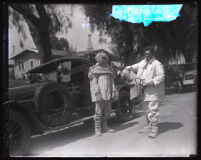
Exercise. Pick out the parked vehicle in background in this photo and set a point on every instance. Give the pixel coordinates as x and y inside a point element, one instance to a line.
<point>181,76</point>
<point>190,75</point>
<point>58,96</point>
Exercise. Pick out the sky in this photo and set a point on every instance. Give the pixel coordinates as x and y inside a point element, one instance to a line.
<point>77,36</point>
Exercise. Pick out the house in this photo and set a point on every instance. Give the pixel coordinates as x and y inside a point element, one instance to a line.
<point>29,58</point>
<point>11,69</point>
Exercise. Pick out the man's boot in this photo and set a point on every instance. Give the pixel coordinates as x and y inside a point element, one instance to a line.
<point>146,128</point>
<point>97,121</point>
<point>154,132</point>
<point>106,128</point>
<point>98,132</point>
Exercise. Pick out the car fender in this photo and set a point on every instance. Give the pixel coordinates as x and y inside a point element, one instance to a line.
<point>28,113</point>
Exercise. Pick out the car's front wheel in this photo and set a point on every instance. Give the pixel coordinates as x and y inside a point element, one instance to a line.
<point>19,133</point>
<point>124,107</point>
<point>179,87</point>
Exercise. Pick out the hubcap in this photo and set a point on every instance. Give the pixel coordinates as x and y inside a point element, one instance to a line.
<point>126,107</point>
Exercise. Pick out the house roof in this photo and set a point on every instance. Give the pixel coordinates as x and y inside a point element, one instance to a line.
<point>60,52</point>
<point>92,52</point>
<point>57,53</point>
<point>22,53</point>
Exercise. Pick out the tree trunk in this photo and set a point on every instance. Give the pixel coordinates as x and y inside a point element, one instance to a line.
<point>39,28</point>
<point>43,29</point>
<point>36,38</point>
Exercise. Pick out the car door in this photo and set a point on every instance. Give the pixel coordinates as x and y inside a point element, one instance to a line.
<point>73,80</point>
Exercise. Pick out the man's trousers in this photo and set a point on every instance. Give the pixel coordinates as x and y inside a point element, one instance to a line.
<point>152,113</point>
<point>102,113</point>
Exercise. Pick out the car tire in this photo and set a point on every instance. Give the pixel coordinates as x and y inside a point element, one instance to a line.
<point>53,104</point>
<point>19,134</point>
<point>179,87</point>
<point>124,110</point>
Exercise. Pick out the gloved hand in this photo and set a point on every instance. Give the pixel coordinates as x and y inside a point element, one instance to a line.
<point>115,95</point>
<point>149,83</point>
<point>125,74</point>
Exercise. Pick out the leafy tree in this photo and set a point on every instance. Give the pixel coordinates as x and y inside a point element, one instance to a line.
<point>59,43</point>
<point>42,21</point>
<point>128,39</point>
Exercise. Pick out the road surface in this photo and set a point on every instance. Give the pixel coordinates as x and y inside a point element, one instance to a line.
<point>177,135</point>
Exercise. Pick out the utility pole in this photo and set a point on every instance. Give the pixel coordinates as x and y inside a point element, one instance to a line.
<point>90,46</point>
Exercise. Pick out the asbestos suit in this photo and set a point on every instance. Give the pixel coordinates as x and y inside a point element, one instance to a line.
<point>102,91</point>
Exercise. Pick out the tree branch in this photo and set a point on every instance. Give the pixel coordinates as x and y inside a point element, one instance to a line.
<point>25,10</point>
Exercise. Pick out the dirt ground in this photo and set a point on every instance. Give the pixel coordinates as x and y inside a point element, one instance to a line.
<point>177,135</point>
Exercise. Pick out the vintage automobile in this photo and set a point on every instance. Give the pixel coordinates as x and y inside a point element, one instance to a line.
<point>181,76</point>
<point>190,75</point>
<point>57,97</point>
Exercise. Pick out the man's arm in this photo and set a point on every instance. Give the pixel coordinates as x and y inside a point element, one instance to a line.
<point>114,90</point>
<point>133,67</point>
<point>93,82</point>
<point>160,76</point>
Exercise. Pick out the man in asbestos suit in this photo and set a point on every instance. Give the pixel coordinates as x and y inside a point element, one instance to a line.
<point>102,87</point>
<point>152,73</point>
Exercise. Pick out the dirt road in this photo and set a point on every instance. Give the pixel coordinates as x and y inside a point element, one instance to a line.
<point>177,135</point>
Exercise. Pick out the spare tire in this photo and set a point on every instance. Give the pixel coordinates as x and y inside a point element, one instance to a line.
<point>53,104</point>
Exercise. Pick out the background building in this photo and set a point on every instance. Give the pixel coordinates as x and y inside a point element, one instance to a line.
<point>29,58</point>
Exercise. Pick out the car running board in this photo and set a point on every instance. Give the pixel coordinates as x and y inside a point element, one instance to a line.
<point>63,127</point>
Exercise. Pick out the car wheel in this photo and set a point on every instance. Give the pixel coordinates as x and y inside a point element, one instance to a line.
<point>53,104</point>
<point>124,107</point>
<point>19,133</point>
<point>179,87</point>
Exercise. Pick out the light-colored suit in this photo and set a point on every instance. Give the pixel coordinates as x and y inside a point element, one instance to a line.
<point>153,73</point>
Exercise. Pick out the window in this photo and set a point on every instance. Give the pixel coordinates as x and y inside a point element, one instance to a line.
<point>31,64</point>
<point>19,64</point>
<point>22,65</point>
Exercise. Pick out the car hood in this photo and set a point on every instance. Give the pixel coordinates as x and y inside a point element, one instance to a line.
<point>23,92</point>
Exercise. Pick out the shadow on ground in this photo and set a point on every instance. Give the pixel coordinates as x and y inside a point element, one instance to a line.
<point>59,139</point>
<point>167,126</point>
<point>124,126</point>
<point>70,135</point>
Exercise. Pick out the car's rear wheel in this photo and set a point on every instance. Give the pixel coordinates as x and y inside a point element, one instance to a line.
<point>125,109</point>
<point>19,133</point>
